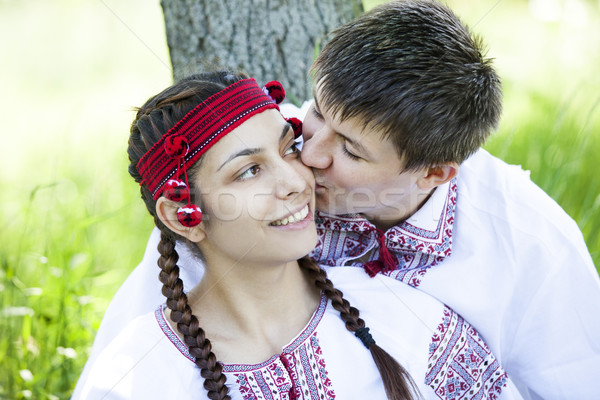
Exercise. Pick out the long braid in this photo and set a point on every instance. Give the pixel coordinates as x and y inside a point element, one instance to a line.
<point>152,120</point>
<point>397,381</point>
<point>187,323</point>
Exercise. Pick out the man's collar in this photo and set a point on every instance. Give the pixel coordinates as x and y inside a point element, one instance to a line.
<point>429,230</point>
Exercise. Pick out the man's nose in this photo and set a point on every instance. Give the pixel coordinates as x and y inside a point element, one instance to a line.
<point>316,150</point>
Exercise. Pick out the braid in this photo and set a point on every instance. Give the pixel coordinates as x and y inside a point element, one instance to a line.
<point>153,119</point>
<point>187,323</point>
<point>397,381</point>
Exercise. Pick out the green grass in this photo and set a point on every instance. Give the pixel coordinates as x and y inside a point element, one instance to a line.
<point>65,251</point>
<point>73,224</point>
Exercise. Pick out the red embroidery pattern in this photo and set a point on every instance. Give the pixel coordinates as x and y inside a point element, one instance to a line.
<point>344,239</point>
<point>318,353</point>
<point>300,374</point>
<point>461,366</point>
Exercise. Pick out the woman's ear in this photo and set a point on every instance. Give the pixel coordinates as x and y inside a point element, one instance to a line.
<point>436,176</point>
<point>166,210</point>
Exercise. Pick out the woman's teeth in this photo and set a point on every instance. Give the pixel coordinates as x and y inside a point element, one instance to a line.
<point>299,216</point>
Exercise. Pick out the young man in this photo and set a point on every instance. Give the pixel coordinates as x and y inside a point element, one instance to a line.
<point>403,101</point>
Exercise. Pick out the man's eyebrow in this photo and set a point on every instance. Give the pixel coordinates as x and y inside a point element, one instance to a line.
<point>252,151</point>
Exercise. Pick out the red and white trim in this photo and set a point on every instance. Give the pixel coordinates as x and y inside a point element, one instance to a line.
<point>419,243</point>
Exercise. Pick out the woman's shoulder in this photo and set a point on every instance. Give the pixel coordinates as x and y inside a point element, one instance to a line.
<point>141,362</point>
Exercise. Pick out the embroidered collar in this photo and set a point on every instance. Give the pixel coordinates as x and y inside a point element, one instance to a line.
<point>308,330</point>
<point>428,231</point>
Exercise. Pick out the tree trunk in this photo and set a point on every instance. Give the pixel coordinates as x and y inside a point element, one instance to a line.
<point>268,39</point>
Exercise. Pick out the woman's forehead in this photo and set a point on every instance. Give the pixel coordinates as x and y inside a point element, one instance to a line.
<point>261,131</point>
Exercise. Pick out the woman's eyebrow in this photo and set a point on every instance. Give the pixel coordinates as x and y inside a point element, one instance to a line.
<point>241,153</point>
<point>253,151</point>
<point>284,132</point>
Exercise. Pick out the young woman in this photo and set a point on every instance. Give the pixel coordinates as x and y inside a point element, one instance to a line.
<point>219,171</point>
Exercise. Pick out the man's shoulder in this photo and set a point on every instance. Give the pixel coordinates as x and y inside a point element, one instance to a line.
<point>505,193</point>
<point>486,177</point>
<point>492,173</point>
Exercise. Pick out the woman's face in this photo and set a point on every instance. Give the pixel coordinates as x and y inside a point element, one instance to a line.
<point>257,196</point>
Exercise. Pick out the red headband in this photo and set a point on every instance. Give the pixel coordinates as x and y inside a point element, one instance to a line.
<point>202,127</point>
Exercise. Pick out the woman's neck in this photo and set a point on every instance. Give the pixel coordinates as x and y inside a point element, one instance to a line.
<point>249,312</point>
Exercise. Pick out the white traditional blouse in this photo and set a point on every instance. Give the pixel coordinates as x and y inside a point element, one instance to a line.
<point>445,356</point>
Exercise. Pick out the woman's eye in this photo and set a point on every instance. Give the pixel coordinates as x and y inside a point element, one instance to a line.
<point>293,149</point>
<point>249,173</point>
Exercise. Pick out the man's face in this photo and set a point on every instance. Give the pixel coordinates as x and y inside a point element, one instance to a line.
<point>357,171</point>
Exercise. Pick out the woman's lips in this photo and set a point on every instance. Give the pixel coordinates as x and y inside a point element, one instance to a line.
<point>294,218</point>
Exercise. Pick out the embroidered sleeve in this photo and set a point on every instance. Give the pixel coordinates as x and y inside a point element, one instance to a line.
<point>461,366</point>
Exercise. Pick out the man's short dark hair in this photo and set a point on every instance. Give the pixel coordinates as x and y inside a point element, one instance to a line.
<point>412,71</point>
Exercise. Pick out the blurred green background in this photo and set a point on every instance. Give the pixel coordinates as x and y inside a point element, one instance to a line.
<point>73,224</point>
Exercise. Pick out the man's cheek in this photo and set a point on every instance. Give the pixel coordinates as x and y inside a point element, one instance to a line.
<point>360,199</point>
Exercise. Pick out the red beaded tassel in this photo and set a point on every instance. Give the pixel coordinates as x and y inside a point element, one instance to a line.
<point>177,190</point>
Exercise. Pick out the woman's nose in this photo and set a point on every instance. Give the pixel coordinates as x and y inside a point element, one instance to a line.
<point>290,180</point>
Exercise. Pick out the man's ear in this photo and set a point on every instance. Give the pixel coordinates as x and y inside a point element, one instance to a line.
<point>438,175</point>
<point>167,213</point>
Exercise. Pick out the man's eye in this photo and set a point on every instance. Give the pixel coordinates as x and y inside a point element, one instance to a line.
<point>317,114</point>
<point>350,155</point>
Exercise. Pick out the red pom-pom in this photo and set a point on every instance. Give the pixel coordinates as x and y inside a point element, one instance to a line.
<point>189,216</point>
<point>275,91</point>
<point>176,190</point>
<point>296,126</point>
<point>176,146</point>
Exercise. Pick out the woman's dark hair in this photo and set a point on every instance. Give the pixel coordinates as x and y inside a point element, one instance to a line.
<point>154,119</point>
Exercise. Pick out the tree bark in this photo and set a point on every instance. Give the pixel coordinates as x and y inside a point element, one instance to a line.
<point>268,39</point>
